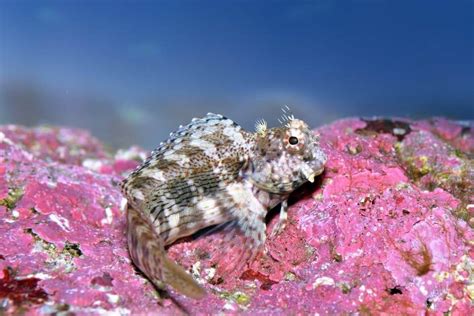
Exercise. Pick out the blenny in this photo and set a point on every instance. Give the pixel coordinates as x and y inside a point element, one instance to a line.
<point>211,172</point>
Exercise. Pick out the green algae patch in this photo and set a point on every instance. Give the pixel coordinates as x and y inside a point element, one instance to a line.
<point>241,298</point>
<point>14,195</point>
<point>61,259</point>
<point>431,163</point>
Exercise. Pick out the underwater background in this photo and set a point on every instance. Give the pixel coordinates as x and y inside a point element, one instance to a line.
<point>132,71</point>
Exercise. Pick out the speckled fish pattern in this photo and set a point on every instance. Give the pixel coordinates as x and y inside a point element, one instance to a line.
<point>212,172</point>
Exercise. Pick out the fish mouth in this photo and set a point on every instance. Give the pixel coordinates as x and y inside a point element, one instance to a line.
<point>310,173</point>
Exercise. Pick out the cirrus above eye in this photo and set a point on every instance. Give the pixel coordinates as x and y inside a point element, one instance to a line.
<point>293,140</point>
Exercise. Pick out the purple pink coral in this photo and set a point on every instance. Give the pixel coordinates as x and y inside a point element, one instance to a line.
<point>387,228</point>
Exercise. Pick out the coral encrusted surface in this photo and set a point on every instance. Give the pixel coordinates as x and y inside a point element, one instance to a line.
<point>388,227</point>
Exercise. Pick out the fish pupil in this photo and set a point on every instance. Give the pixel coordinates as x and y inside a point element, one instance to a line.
<point>293,140</point>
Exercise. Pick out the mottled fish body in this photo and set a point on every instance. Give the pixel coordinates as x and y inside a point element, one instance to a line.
<point>211,172</point>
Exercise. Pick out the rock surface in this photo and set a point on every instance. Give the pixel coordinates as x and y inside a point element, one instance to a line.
<point>388,227</point>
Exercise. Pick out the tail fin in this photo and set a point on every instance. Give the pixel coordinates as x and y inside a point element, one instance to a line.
<point>148,253</point>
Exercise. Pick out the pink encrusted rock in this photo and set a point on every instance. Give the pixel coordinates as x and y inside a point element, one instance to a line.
<point>386,228</point>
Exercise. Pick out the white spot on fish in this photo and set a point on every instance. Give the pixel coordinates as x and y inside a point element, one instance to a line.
<point>173,220</point>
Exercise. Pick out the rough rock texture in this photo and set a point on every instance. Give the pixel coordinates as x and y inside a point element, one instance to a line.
<point>387,228</point>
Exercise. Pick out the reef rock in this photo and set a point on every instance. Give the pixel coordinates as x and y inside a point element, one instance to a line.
<point>387,228</point>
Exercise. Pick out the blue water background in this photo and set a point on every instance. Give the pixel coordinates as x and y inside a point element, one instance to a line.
<point>132,71</point>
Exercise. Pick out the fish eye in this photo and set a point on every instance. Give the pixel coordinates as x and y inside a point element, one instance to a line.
<point>293,140</point>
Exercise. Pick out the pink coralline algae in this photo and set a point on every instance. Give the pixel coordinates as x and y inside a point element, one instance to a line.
<point>388,228</point>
